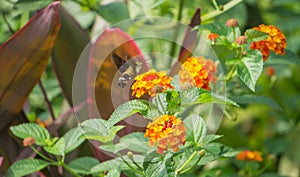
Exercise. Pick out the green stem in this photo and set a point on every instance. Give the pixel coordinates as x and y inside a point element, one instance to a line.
<point>234,34</point>
<point>136,164</point>
<point>179,16</point>
<point>130,166</point>
<point>229,116</point>
<point>217,12</point>
<point>231,73</point>
<point>264,168</point>
<point>215,4</point>
<point>48,103</point>
<point>66,167</point>
<point>86,4</point>
<point>41,155</point>
<point>11,30</point>
<point>179,170</point>
<point>188,169</point>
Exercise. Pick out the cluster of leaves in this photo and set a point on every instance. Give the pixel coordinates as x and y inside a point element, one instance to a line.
<point>150,163</point>
<point>199,144</point>
<point>58,147</point>
<point>248,67</point>
<point>172,102</point>
<point>248,64</point>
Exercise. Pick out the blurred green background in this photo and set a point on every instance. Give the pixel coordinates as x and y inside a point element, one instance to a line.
<point>274,130</point>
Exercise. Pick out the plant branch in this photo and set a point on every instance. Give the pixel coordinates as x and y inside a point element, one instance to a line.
<point>179,170</point>
<point>11,30</point>
<point>198,160</point>
<point>46,99</point>
<point>69,169</point>
<point>215,4</point>
<point>42,155</point>
<point>217,12</point>
<point>130,166</point>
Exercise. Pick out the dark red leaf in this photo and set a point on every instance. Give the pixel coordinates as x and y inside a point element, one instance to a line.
<point>103,90</point>
<point>24,57</point>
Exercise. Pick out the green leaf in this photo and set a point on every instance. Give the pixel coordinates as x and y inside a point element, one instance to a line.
<point>133,142</point>
<point>289,58</point>
<point>158,165</point>
<point>215,27</point>
<point>58,148</point>
<point>196,128</point>
<point>116,163</point>
<point>83,165</point>
<point>114,148</point>
<point>129,108</point>
<point>160,101</point>
<point>174,101</point>
<point>256,99</point>
<point>209,138</point>
<point>250,68</point>
<point>6,6</point>
<point>233,62</point>
<point>116,172</point>
<point>99,129</point>
<point>96,124</point>
<point>220,150</point>
<point>72,139</point>
<point>32,5</point>
<point>104,136</point>
<point>198,95</point>
<point>26,167</point>
<point>40,134</point>
<point>107,12</point>
<point>213,151</point>
<point>136,142</point>
<point>255,35</point>
<point>232,36</point>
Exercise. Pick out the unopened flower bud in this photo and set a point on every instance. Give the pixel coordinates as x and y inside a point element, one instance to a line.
<point>232,22</point>
<point>241,40</point>
<point>270,71</point>
<point>28,141</point>
<point>130,155</point>
<point>202,152</point>
<point>213,37</point>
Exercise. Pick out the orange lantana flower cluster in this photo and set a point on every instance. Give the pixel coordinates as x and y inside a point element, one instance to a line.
<point>151,82</point>
<point>247,155</point>
<point>197,71</point>
<point>276,41</point>
<point>166,131</point>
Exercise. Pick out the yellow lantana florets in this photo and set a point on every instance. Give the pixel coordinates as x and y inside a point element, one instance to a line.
<point>197,71</point>
<point>247,155</point>
<point>151,82</point>
<point>166,131</point>
<point>276,41</point>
